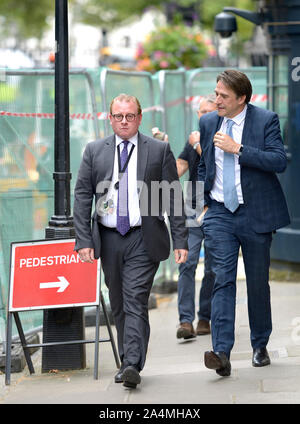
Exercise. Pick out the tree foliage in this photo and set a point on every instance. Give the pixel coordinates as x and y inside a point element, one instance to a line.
<point>114,12</point>
<point>110,13</point>
<point>25,18</point>
<point>29,18</point>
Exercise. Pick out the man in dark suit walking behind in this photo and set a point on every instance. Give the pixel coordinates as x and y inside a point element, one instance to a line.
<point>130,177</point>
<point>242,150</point>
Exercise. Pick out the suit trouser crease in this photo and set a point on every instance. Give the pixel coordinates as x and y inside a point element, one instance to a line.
<point>129,274</point>
<point>225,233</point>
<point>186,281</point>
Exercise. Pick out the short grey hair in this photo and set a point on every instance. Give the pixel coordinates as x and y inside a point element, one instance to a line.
<point>211,98</point>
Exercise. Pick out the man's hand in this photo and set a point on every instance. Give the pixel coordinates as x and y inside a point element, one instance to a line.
<point>159,134</point>
<point>194,137</point>
<point>86,254</point>
<point>226,143</point>
<point>201,216</point>
<point>180,255</point>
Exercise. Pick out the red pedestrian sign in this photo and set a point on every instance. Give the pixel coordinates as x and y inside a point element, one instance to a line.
<point>49,274</point>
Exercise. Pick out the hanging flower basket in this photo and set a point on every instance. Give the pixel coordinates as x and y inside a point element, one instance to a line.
<point>172,47</point>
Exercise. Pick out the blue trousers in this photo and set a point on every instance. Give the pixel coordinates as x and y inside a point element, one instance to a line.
<point>225,233</point>
<point>186,280</point>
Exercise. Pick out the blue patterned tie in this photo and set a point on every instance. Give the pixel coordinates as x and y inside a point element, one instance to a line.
<point>229,190</point>
<point>123,224</point>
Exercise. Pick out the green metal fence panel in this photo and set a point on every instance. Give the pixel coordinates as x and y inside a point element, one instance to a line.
<point>18,214</point>
<point>173,96</point>
<point>138,84</point>
<point>24,175</point>
<point>157,102</point>
<point>27,155</point>
<point>172,91</point>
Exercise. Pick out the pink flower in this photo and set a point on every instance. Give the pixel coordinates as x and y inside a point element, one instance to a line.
<point>140,50</point>
<point>163,63</point>
<point>212,51</point>
<point>158,54</point>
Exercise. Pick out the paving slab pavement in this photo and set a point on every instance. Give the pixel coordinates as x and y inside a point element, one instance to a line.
<point>174,373</point>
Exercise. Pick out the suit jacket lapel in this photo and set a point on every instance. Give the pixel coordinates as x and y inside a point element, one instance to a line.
<point>212,149</point>
<point>247,125</point>
<point>108,157</point>
<point>142,156</point>
<point>219,123</point>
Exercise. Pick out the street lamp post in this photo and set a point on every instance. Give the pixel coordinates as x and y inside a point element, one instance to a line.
<point>61,223</point>
<point>60,325</point>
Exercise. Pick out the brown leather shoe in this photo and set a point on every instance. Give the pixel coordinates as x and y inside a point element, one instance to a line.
<point>185,331</point>
<point>218,361</point>
<point>203,327</point>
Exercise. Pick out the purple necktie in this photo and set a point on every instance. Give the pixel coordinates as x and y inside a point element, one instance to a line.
<point>123,224</point>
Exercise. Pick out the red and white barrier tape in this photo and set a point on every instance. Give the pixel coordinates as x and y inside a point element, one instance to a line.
<point>86,116</point>
<point>157,108</point>
<point>256,98</point>
<point>100,115</point>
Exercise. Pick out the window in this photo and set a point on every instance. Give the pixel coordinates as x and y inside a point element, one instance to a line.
<point>278,91</point>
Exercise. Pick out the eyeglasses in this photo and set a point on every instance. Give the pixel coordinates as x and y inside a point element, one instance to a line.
<point>129,117</point>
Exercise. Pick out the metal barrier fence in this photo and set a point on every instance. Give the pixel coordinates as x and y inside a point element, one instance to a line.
<point>168,99</point>
<point>27,156</point>
<point>139,83</point>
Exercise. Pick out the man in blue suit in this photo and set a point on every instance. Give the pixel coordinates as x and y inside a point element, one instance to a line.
<point>242,150</point>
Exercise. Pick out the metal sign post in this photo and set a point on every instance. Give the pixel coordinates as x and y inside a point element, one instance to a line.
<point>49,274</point>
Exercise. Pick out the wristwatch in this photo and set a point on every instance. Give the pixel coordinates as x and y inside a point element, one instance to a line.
<point>241,150</point>
<point>196,145</point>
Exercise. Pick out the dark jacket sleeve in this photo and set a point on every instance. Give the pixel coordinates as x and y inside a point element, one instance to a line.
<point>273,157</point>
<point>176,215</point>
<point>83,200</point>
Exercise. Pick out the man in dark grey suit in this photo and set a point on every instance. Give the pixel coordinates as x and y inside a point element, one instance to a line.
<point>133,179</point>
<point>242,150</point>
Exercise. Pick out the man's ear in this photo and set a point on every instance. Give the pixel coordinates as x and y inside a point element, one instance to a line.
<point>242,99</point>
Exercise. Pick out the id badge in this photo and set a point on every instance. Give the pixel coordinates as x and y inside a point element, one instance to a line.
<point>107,207</point>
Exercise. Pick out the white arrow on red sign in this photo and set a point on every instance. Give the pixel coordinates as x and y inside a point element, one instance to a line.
<point>62,284</point>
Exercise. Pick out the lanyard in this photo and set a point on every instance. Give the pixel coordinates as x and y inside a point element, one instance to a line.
<point>121,171</point>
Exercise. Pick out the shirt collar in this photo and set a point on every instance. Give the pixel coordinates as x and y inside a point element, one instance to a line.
<point>238,119</point>
<point>132,140</point>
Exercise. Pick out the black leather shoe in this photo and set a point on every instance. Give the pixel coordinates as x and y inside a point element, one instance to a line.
<point>218,361</point>
<point>260,357</point>
<point>119,375</point>
<point>131,377</point>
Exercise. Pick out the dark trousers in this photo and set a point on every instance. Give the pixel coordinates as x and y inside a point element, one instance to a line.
<point>225,233</point>
<point>129,274</point>
<point>186,281</point>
